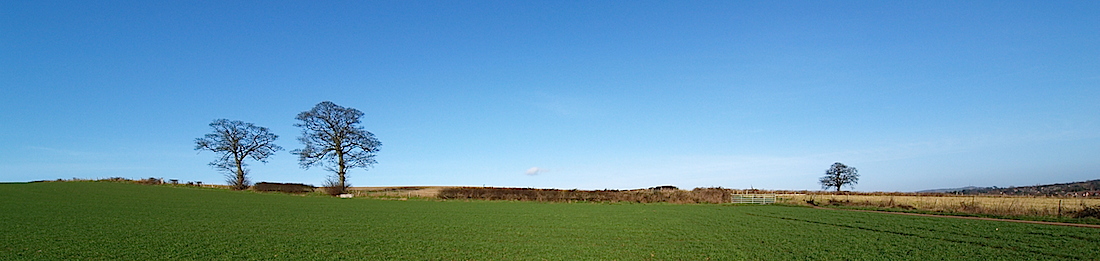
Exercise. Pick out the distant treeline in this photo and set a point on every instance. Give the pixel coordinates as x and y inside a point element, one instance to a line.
<point>262,186</point>
<point>148,181</point>
<point>1086,189</point>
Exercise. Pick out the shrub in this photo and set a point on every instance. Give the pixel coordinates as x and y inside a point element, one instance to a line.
<point>150,181</point>
<point>1088,212</point>
<point>332,187</point>
<point>282,187</point>
<point>665,187</point>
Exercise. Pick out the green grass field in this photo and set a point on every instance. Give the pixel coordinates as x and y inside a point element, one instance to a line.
<point>99,220</point>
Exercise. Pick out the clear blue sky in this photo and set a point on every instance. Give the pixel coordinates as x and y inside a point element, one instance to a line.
<point>594,94</point>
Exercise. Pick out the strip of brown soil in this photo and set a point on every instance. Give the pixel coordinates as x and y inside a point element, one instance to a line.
<point>974,218</point>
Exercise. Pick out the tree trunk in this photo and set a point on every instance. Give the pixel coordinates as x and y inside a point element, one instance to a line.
<point>342,170</point>
<point>240,176</point>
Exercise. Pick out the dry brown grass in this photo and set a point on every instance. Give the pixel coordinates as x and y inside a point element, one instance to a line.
<point>398,192</point>
<point>994,205</point>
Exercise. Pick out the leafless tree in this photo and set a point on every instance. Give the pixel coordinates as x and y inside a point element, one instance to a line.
<point>839,175</point>
<point>237,141</point>
<point>332,138</point>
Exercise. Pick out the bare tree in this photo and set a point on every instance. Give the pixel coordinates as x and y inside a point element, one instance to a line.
<point>332,138</point>
<point>839,175</point>
<point>237,141</point>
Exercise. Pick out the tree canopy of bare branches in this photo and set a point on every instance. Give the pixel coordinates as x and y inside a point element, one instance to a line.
<point>839,175</point>
<point>332,137</point>
<point>237,141</point>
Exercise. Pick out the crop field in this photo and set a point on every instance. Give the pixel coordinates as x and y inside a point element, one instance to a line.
<point>102,220</point>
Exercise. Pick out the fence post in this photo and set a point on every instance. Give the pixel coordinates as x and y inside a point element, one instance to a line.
<point>1059,208</point>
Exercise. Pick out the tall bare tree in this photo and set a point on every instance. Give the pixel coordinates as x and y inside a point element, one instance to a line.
<point>332,138</point>
<point>839,175</point>
<point>237,141</point>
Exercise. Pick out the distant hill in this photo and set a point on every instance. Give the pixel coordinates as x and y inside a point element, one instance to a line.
<point>946,190</point>
<point>1089,188</point>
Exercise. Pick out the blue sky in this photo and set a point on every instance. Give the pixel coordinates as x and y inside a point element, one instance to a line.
<point>564,94</point>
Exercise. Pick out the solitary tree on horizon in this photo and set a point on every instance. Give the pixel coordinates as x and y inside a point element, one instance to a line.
<point>332,138</point>
<point>839,175</point>
<point>237,141</point>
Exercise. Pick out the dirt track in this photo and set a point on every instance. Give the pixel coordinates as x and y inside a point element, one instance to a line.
<point>974,218</point>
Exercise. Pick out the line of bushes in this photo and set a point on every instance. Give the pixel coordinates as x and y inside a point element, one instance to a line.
<point>676,196</point>
<point>282,187</point>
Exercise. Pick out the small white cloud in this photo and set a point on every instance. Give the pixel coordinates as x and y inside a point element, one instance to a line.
<point>534,171</point>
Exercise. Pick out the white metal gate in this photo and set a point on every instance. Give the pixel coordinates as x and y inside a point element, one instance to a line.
<point>752,198</point>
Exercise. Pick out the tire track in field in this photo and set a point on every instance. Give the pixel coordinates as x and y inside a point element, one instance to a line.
<point>922,236</point>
